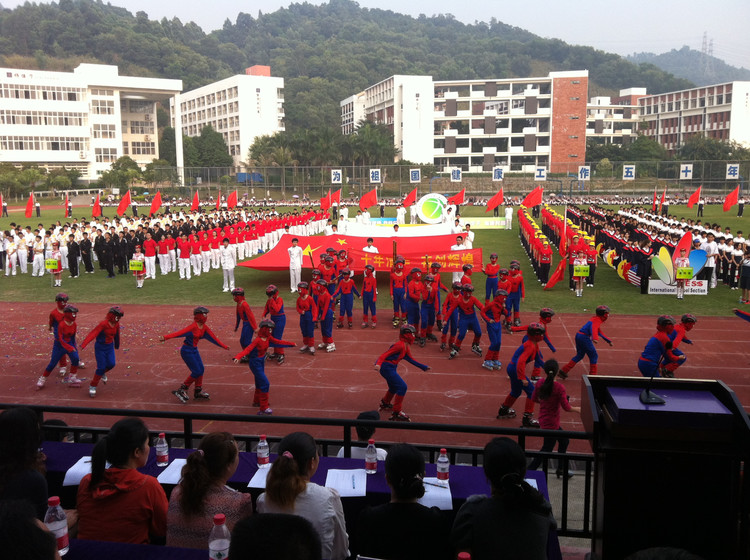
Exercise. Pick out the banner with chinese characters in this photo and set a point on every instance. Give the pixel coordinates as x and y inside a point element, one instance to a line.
<point>450,261</point>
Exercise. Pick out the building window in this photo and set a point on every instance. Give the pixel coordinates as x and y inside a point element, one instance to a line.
<point>143,148</point>
<point>103,131</point>
<point>102,107</point>
<point>141,127</point>
<point>105,155</point>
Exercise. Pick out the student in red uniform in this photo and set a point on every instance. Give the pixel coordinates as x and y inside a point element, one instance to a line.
<point>467,269</point>
<point>274,310</point>
<point>490,285</point>
<point>205,251</point>
<point>545,261</point>
<point>256,358</point>
<point>55,316</point>
<point>451,321</point>
<point>526,353</point>
<point>346,290</point>
<point>107,335</point>
<point>193,334</point>
<point>585,340</point>
<point>686,324</point>
<point>66,338</point>
<point>245,315</point>
<point>467,320</point>
<point>328,273</point>
<point>386,364</point>
<point>369,297</point>
<point>413,295</point>
<point>516,294</point>
<point>164,260</point>
<point>308,314</point>
<point>435,271</point>
<point>183,245</point>
<point>428,309</point>
<point>325,316</point>
<point>398,291</point>
<point>495,311</point>
<point>591,259</point>
<point>195,254</point>
<point>149,250</point>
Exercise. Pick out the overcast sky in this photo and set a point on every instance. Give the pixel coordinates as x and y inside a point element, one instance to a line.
<point>622,27</point>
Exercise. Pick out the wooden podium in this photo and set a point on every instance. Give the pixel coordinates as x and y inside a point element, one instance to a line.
<point>670,474</point>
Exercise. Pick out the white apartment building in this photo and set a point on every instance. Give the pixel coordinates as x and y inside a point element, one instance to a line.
<point>240,108</point>
<point>614,120</point>
<point>720,111</point>
<point>84,120</point>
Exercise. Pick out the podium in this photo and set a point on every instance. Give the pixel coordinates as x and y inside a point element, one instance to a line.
<point>667,475</point>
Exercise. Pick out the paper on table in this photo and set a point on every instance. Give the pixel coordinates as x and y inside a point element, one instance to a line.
<point>77,472</point>
<point>436,493</point>
<point>532,482</point>
<point>348,482</point>
<point>173,473</point>
<point>259,479</point>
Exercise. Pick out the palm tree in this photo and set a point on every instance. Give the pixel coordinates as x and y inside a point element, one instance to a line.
<point>283,157</point>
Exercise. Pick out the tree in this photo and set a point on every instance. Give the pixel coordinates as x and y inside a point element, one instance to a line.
<point>30,177</point>
<point>212,150</point>
<point>604,168</point>
<point>283,157</point>
<point>167,149</point>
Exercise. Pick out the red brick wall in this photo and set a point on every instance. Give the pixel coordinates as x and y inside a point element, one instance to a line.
<point>568,133</point>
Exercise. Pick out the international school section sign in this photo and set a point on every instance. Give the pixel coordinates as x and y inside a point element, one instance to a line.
<point>692,288</point>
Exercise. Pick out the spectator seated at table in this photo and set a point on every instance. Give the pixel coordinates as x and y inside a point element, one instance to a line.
<point>364,433</point>
<point>23,536</point>
<point>289,490</point>
<point>514,523</point>
<point>119,504</point>
<point>202,493</point>
<point>403,528</point>
<point>20,461</point>
<point>280,536</point>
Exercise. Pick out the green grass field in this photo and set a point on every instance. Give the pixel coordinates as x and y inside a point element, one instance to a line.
<point>207,289</point>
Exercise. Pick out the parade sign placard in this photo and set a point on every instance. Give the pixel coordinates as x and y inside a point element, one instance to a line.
<point>51,264</point>
<point>136,265</point>
<point>581,270</point>
<point>685,273</point>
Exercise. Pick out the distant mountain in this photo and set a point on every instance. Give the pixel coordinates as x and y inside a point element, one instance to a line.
<point>691,65</point>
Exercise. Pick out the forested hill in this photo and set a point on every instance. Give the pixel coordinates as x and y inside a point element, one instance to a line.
<point>324,53</point>
<point>692,65</point>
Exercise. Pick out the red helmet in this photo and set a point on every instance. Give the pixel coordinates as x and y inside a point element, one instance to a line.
<point>408,333</point>
<point>115,313</point>
<point>536,329</point>
<point>602,310</point>
<point>238,292</point>
<point>271,290</point>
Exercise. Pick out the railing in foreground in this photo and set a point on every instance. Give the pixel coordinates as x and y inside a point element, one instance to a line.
<point>461,455</point>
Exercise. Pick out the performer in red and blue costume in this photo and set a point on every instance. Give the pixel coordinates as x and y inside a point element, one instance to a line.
<point>107,335</point>
<point>435,271</point>
<point>65,345</point>
<point>678,336</point>
<point>585,340</point>
<point>369,297</point>
<point>495,310</point>
<point>527,353</point>
<point>328,273</point>
<point>193,334</point>
<point>398,291</point>
<point>451,321</point>
<point>244,315</point>
<point>325,316</point>
<point>467,320</point>
<point>256,354</point>
<point>428,309</point>
<point>545,318</point>
<point>658,349</point>
<point>413,295</point>
<point>516,294</point>
<point>387,363</point>
<point>491,270</point>
<point>346,289</point>
<point>308,314</point>
<point>274,310</point>
<point>55,316</point>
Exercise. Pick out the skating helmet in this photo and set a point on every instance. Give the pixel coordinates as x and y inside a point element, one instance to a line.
<point>322,283</point>
<point>665,323</point>
<point>238,293</point>
<point>501,294</point>
<point>323,257</point>
<point>200,314</point>
<point>115,313</point>
<point>316,273</point>
<point>515,266</point>
<point>303,286</point>
<point>536,329</point>
<point>467,267</point>
<point>399,263</point>
<point>345,272</point>
<point>407,333</point>
<point>271,290</point>
<point>331,251</point>
<point>503,272</point>
<point>369,269</point>
<point>467,288</point>
<point>546,314</point>
<point>689,318</point>
<point>416,272</point>
<point>70,311</point>
<point>61,297</point>
<point>429,278</point>
<point>342,253</point>
<point>514,261</point>
<point>266,324</point>
<point>602,311</point>
<point>493,257</point>
<point>456,286</point>
<point>435,266</point>
<point>329,259</point>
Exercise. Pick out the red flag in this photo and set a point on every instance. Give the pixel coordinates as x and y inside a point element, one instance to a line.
<point>695,197</point>
<point>66,202</point>
<point>557,275</point>
<point>97,209</point>
<point>534,198</point>
<point>232,199</point>
<point>155,204</point>
<point>410,199</point>
<point>564,236</point>
<point>368,200</point>
<point>196,202</point>
<point>458,198</point>
<point>1,199</point>
<point>731,199</point>
<point>124,203</point>
<point>496,200</point>
<point>325,202</point>
<point>30,206</point>
<point>663,198</point>
<point>653,204</point>
<point>336,197</point>
<point>218,201</point>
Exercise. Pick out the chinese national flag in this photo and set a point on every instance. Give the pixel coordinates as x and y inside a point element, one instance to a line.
<point>557,275</point>
<point>196,202</point>
<point>411,198</point>
<point>495,201</point>
<point>663,198</point>
<point>97,209</point>
<point>155,204</point>
<point>30,206</point>
<point>534,198</point>
<point>368,200</point>
<point>232,200</point>
<point>336,197</point>
<point>124,203</point>
<point>325,202</point>
<point>218,201</point>
<point>458,198</point>
<point>731,199</point>
<point>695,197</point>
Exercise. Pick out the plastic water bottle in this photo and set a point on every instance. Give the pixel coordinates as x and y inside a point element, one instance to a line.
<point>162,451</point>
<point>261,453</point>
<point>443,465</point>
<point>464,556</point>
<point>57,522</point>
<point>218,539</point>
<point>371,457</point>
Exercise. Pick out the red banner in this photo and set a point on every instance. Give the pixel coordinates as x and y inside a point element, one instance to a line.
<point>458,198</point>
<point>411,248</point>
<point>155,204</point>
<point>97,209</point>
<point>368,199</point>
<point>30,206</point>
<point>731,199</point>
<point>495,201</point>
<point>196,202</point>
<point>124,203</point>
<point>695,197</point>
<point>410,199</point>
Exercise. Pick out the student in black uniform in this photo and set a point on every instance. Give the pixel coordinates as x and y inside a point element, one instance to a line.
<point>74,252</point>
<point>85,248</point>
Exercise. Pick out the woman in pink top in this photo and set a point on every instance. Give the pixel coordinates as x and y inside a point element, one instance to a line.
<point>551,397</point>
